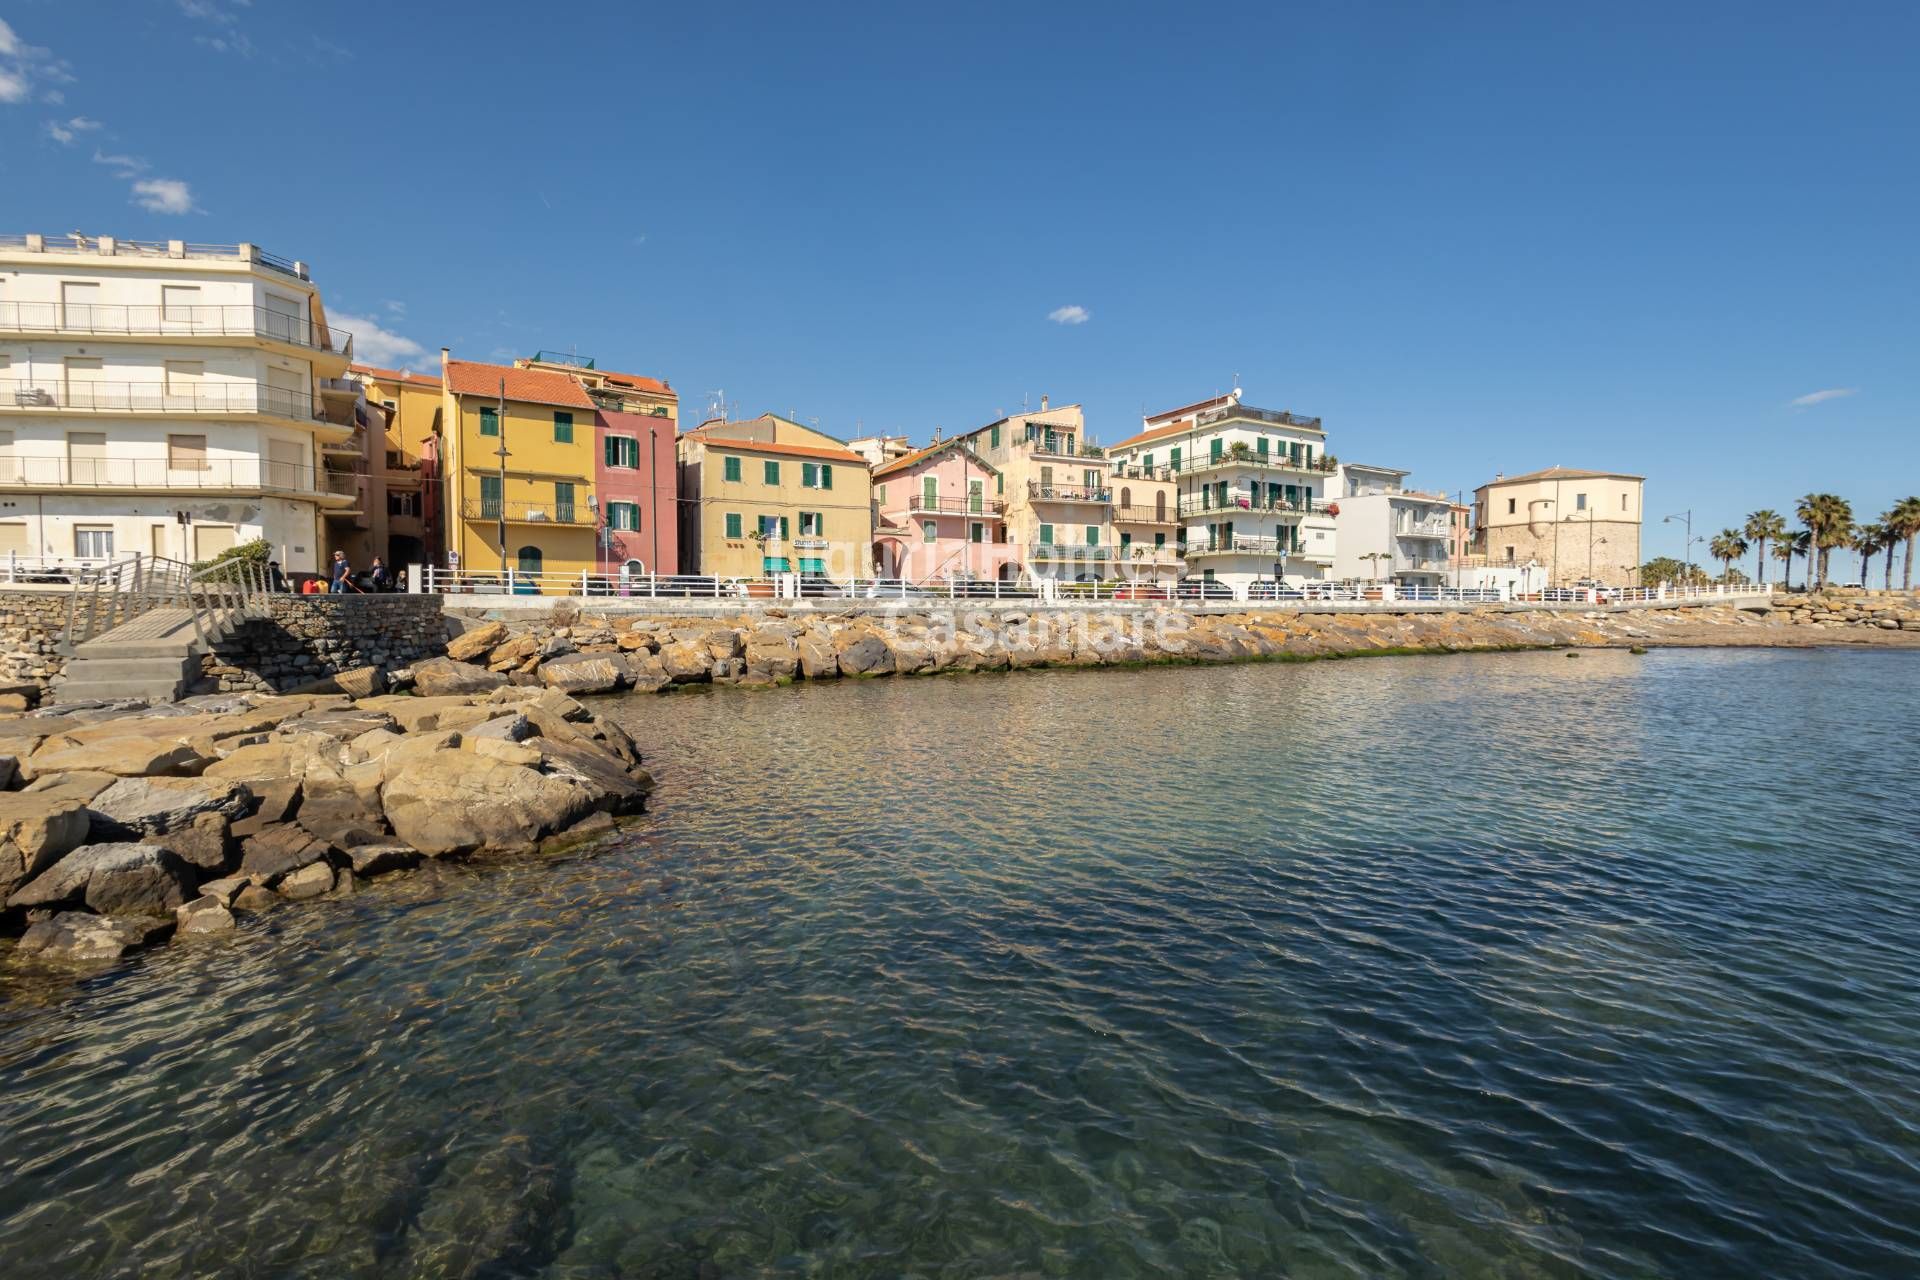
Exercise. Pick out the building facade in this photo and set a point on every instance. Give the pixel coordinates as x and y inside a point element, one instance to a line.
<point>167,399</point>
<point>540,495</point>
<point>1384,531</point>
<point>769,496</point>
<point>1579,525</point>
<point>1251,486</point>
<point>939,516</point>
<point>1058,492</point>
<point>407,502</point>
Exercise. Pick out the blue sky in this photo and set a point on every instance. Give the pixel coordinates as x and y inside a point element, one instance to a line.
<point>1472,239</point>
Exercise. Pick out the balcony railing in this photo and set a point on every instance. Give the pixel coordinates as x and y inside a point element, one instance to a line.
<point>203,399</point>
<point>920,502</point>
<point>527,513</point>
<point>1198,505</point>
<point>1279,417</point>
<point>1059,446</point>
<point>244,475</point>
<point>1144,515</point>
<point>1251,458</point>
<point>1434,529</point>
<point>1242,544</point>
<point>1066,551</point>
<point>114,246</point>
<point>1067,493</point>
<point>110,320</point>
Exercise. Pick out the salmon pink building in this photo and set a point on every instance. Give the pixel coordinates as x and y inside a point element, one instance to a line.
<point>939,514</point>
<point>637,477</point>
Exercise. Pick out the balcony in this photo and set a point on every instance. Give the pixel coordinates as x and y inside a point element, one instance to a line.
<point>1207,505</point>
<point>1247,413</point>
<point>529,513</point>
<point>1038,492</point>
<point>188,323</point>
<point>115,247</point>
<point>206,399</point>
<point>1429,529</point>
<point>175,474</point>
<point>1050,551</point>
<point>921,504</point>
<point>1253,459</point>
<point>1144,515</point>
<point>1058,444</point>
<point>1242,544</point>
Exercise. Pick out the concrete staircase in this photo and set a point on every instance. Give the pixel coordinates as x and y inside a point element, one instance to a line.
<point>155,656</point>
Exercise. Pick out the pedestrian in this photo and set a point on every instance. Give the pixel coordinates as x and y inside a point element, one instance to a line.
<point>382,580</point>
<point>341,580</point>
<point>276,581</point>
<point>400,581</point>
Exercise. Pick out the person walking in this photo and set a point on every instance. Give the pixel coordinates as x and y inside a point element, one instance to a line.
<point>382,580</point>
<point>276,581</point>
<point>340,581</point>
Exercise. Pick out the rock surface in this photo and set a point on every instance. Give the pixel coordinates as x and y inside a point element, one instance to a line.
<point>112,879</point>
<point>77,938</point>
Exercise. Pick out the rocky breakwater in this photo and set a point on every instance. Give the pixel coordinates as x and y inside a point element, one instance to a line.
<point>123,826</point>
<point>1885,610</point>
<point>579,654</point>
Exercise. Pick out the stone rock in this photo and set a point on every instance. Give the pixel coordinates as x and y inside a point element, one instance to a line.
<point>511,654</point>
<point>469,646</point>
<point>649,675</point>
<point>776,660</point>
<point>444,677</point>
<point>455,801</point>
<point>818,660</point>
<point>127,756</point>
<point>866,655</point>
<point>205,844</point>
<point>584,672</point>
<point>205,914</point>
<point>77,938</point>
<point>225,889</point>
<point>379,859</point>
<point>112,879</point>
<point>686,663</point>
<point>309,881</point>
<point>36,831</point>
<point>418,714</point>
<point>73,786</point>
<point>342,724</point>
<point>9,771</point>
<point>279,851</point>
<point>135,807</point>
<point>255,898</point>
<point>612,787</point>
<point>277,759</point>
<point>512,727</point>
<point>501,749</point>
<point>274,800</point>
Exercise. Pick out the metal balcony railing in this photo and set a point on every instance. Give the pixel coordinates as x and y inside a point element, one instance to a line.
<point>1065,551</point>
<point>528,513</point>
<point>1435,529</point>
<point>202,399</point>
<point>246,475</point>
<point>1279,417</point>
<point>1195,504</point>
<point>1250,458</point>
<point>920,502</point>
<point>1242,544</point>
<point>1144,515</point>
<point>114,246</point>
<point>108,320</point>
<point>1066,493</point>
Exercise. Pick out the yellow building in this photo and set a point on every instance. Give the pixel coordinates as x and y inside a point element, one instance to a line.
<point>541,494</point>
<point>771,496</point>
<point>403,465</point>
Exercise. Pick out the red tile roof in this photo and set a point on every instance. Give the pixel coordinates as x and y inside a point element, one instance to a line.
<point>395,375</point>
<point>1189,408</point>
<point>908,459</point>
<point>527,386</point>
<point>789,450</point>
<point>1158,433</point>
<point>639,382</point>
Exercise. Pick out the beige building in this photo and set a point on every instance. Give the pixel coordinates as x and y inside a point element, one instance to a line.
<point>770,496</point>
<point>1574,524</point>
<point>1058,491</point>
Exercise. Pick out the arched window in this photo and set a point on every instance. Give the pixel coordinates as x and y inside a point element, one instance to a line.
<point>633,569</point>
<point>1126,496</point>
<point>1160,505</point>
<point>529,560</point>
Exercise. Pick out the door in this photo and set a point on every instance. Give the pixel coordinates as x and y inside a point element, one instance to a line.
<point>160,541</point>
<point>87,457</point>
<point>529,560</point>
<point>563,501</point>
<point>287,466</point>
<point>929,493</point>
<point>976,496</point>
<point>84,383</point>
<point>13,540</point>
<point>80,306</point>
<point>289,394</point>
<point>210,540</point>
<point>285,318</point>
<point>182,388</point>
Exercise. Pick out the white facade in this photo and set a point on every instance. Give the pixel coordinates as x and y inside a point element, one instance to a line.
<point>1252,489</point>
<point>166,399</point>
<point>1388,533</point>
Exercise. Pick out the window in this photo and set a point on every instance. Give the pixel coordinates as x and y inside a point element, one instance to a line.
<point>489,497</point>
<point>1260,446</point>
<point>809,475</point>
<point>1046,535</point>
<point>86,457</point>
<point>623,451</point>
<point>730,468</point>
<point>529,560</point>
<point>1175,463</point>
<point>976,532</point>
<point>403,502</point>
<point>1146,460</point>
<point>993,437</point>
<point>623,516</point>
<point>930,492</point>
<point>1214,449</point>
<point>1090,478</point>
<point>563,501</point>
<point>1510,505</point>
<point>999,485</point>
<point>1093,535</point>
<point>187,453</point>
<point>880,495</point>
<point>926,531</point>
<point>1579,502</point>
<point>733,520</point>
<point>179,303</point>
<point>1623,502</point>
<point>1159,540</point>
<point>813,524</point>
<point>1509,555</point>
<point>826,475</point>
<point>183,379</point>
<point>92,543</point>
<point>562,427</point>
<point>976,496</point>
<point>489,420</point>
<point>770,472</point>
<point>1126,540</point>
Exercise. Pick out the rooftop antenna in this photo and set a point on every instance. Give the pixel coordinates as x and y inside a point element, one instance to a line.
<point>717,406</point>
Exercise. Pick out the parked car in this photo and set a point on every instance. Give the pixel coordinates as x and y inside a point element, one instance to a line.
<point>1202,589</point>
<point>1139,591</point>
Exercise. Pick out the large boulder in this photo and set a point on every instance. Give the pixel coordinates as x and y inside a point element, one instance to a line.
<point>864,654</point>
<point>773,659</point>
<point>419,714</point>
<point>649,674</point>
<point>276,759</point>
<point>72,786</point>
<point>135,807</point>
<point>686,663</point>
<point>78,938</point>
<point>443,677</point>
<point>473,646</point>
<point>455,801</point>
<point>126,756</point>
<point>279,851</point>
<point>584,672</point>
<point>309,881</point>
<point>36,831</point>
<point>113,879</point>
<point>818,660</point>
<point>205,914</point>
<point>378,859</point>
<point>205,844</point>
<point>613,787</point>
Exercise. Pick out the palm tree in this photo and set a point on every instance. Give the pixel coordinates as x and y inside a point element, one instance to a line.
<point>1904,522</point>
<point>1727,547</point>
<point>1765,526</point>
<point>1829,521</point>
<point>1867,540</point>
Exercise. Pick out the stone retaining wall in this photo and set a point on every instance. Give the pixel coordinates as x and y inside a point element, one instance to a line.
<point>1887,610</point>
<point>32,621</point>
<point>311,637</point>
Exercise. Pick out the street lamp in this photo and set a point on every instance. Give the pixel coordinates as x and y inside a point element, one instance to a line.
<point>1686,515</point>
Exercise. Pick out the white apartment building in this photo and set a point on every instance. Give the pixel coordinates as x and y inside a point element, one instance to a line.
<point>1386,532</point>
<point>168,398</point>
<point>1252,489</point>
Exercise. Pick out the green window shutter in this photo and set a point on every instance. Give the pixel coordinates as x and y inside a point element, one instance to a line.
<point>562,427</point>
<point>612,451</point>
<point>783,528</point>
<point>928,531</point>
<point>1176,458</point>
<point>490,497</point>
<point>929,489</point>
<point>733,524</point>
<point>1261,447</point>
<point>489,420</point>
<point>809,475</point>
<point>1215,449</point>
<point>1093,535</point>
<point>770,472</point>
<point>1126,540</point>
<point>826,475</point>
<point>978,532</point>
<point>1159,540</point>
<point>999,485</point>
<point>1046,535</point>
<point>1146,460</point>
<point>993,438</point>
<point>730,468</point>
<point>819,524</point>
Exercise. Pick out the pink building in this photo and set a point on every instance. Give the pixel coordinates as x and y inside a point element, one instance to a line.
<point>637,482</point>
<point>939,514</point>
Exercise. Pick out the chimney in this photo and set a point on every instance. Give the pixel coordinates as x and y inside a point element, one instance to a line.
<point>1043,404</point>
<point>444,354</point>
<point>1498,476</point>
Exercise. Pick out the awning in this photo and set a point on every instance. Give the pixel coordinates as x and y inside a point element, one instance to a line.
<point>774,564</point>
<point>812,564</point>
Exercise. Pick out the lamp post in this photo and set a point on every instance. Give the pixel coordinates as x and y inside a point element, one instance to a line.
<point>1687,516</point>
<point>503,455</point>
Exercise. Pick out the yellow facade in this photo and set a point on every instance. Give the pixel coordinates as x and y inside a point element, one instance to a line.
<point>544,490</point>
<point>803,492</point>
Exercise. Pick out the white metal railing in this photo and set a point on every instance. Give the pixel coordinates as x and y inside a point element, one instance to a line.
<point>156,397</point>
<point>114,246</point>
<point>235,320</point>
<point>105,597</point>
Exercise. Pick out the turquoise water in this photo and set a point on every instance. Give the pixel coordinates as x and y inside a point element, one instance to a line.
<point>1511,965</point>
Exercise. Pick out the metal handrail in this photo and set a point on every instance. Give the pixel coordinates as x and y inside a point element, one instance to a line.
<point>111,595</point>
<point>215,320</point>
<point>157,397</point>
<point>181,472</point>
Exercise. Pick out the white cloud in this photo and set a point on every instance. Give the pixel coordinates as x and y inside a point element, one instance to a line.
<point>65,131</point>
<point>123,166</point>
<point>1069,315</point>
<point>375,344</point>
<point>396,308</point>
<point>10,45</point>
<point>1821,397</point>
<point>163,195</point>
<point>14,86</point>
<point>21,64</point>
